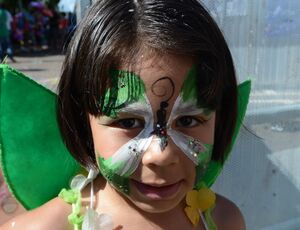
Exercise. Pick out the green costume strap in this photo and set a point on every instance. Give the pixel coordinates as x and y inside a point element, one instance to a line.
<point>73,197</point>
<point>209,219</point>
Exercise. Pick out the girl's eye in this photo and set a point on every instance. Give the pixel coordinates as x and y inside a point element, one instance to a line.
<point>129,123</point>
<point>188,121</point>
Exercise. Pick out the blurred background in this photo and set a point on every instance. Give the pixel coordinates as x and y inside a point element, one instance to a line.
<point>32,26</point>
<point>262,175</point>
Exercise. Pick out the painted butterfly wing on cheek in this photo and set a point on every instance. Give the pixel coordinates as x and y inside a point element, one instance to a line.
<point>129,155</point>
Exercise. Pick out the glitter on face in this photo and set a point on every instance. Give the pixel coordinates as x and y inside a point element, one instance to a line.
<point>120,165</point>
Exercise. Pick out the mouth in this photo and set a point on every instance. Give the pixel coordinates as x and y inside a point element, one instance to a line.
<point>157,191</point>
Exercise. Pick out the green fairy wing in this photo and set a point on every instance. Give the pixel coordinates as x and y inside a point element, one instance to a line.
<point>34,159</point>
<point>215,167</point>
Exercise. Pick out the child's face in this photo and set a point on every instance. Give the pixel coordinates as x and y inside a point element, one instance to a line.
<point>148,151</point>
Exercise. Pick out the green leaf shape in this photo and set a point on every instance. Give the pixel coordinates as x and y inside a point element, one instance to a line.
<point>35,162</point>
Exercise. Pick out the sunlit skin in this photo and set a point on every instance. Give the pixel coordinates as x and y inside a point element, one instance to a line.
<point>167,168</point>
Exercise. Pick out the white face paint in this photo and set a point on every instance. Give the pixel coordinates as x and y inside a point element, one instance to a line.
<point>129,155</point>
<point>188,145</point>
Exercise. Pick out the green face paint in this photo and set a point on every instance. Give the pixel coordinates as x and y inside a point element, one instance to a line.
<point>203,159</point>
<point>189,93</point>
<point>188,104</point>
<point>188,90</point>
<point>127,94</point>
<point>108,171</point>
<point>126,88</point>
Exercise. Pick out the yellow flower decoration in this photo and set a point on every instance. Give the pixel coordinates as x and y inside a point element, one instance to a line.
<point>198,201</point>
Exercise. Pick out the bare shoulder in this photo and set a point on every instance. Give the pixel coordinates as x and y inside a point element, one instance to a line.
<point>227,215</point>
<point>52,215</point>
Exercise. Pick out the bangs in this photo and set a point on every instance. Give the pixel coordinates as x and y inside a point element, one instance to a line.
<point>108,78</point>
<point>111,36</point>
<point>209,82</point>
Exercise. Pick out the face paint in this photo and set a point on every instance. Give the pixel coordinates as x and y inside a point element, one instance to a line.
<point>191,147</point>
<point>118,167</point>
<point>126,88</point>
<point>129,155</point>
<point>160,129</point>
<point>187,104</point>
<point>129,99</point>
<point>107,170</point>
<point>189,90</point>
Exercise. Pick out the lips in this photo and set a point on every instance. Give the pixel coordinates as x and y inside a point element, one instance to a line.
<point>157,191</point>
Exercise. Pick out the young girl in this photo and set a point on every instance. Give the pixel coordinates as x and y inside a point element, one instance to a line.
<point>148,97</point>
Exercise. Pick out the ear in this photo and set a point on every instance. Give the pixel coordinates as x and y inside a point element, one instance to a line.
<point>215,167</point>
<point>34,159</point>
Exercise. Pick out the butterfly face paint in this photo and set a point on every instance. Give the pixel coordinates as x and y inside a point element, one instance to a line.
<point>126,96</point>
<point>130,98</point>
<point>187,104</point>
<point>160,129</point>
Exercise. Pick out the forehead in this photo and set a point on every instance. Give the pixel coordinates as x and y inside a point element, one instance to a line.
<point>162,75</point>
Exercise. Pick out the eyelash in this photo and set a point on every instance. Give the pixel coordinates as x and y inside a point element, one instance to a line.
<point>196,120</point>
<point>138,123</point>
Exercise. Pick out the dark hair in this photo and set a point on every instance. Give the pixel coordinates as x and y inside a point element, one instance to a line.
<point>112,32</point>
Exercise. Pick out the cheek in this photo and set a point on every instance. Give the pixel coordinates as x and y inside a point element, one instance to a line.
<point>120,183</point>
<point>104,145</point>
<point>191,169</point>
<point>108,140</point>
<point>205,133</point>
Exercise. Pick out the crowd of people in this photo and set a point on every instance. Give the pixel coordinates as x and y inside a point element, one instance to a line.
<point>6,21</point>
<point>33,28</point>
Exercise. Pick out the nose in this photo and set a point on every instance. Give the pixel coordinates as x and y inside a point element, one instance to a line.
<point>154,156</point>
